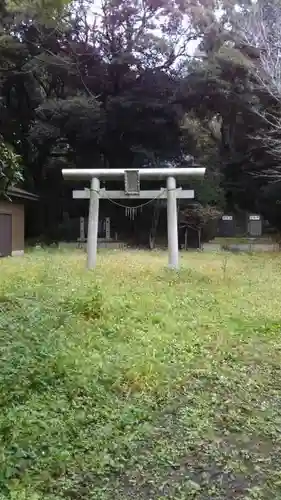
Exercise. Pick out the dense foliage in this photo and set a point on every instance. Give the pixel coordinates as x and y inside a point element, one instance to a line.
<point>10,170</point>
<point>119,84</point>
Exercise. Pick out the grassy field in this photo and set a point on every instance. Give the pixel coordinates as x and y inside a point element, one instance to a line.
<point>136,382</point>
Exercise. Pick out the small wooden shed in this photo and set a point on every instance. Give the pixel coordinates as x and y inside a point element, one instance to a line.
<point>12,221</point>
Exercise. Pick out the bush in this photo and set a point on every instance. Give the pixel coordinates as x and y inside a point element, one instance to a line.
<point>90,305</point>
<point>10,170</point>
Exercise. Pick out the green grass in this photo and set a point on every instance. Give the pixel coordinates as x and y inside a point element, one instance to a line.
<point>136,382</point>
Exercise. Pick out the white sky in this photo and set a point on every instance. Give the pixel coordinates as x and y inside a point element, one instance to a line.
<point>193,44</point>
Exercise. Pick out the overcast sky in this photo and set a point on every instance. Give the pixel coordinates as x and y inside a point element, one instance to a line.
<point>191,46</point>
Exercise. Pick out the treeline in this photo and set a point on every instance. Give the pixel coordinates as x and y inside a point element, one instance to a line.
<point>140,82</point>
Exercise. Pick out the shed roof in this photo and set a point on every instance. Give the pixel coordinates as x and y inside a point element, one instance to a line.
<point>16,192</point>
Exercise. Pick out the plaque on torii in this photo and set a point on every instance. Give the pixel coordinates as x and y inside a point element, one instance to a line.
<point>132,190</point>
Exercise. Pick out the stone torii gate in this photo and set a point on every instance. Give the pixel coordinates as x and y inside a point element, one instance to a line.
<point>131,178</point>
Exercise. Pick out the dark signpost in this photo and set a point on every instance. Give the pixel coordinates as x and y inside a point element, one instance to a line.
<point>254,226</point>
<point>227,226</point>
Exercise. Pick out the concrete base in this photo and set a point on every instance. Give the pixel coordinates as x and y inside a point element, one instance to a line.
<point>102,243</point>
<point>106,243</point>
<point>211,247</point>
<point>111,244</point>
<point>17,253</point>
<point>241,247</point>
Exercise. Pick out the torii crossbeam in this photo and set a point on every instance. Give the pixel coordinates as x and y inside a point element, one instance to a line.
<point>132,190</point>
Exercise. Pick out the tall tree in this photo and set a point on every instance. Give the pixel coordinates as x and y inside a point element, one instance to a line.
<point>100,89</point>
<point>229,82</point>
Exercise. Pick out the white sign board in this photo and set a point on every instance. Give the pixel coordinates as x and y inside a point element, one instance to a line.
<point>254,217</point>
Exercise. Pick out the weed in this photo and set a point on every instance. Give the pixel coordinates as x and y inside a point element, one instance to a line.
<point>137,382</point>
<point>89,303</point>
